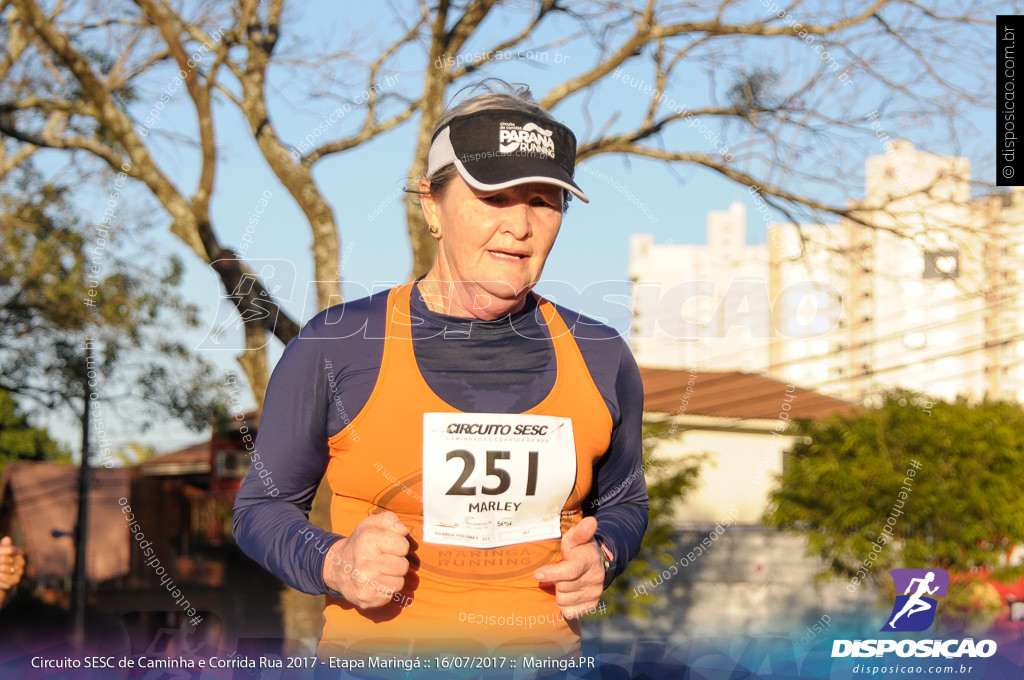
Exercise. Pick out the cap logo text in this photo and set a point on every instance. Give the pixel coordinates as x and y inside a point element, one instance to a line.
<point>526,139</point>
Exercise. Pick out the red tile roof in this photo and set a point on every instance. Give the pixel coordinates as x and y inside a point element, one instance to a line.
<point>193,459</point>
<point>196,459</point>
<point>732,394</point>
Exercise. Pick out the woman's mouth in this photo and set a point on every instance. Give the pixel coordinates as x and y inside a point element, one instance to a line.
<point>508,255</point>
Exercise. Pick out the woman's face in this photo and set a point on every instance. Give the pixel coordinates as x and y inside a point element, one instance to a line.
<point>492,244</point>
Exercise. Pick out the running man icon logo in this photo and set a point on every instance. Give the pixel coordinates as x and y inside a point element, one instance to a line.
<point>914,610</point>
<point>227,332</point>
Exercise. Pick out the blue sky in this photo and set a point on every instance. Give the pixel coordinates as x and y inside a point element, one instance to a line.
<point>363,184</point>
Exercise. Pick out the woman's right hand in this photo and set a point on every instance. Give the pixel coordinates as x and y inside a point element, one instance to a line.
<point>12,566</point>
<point>369,566</point>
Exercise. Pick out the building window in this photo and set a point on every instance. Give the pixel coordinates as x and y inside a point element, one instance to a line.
<point>232,463</point>
<point>941,264</point>
<point>914,340</point>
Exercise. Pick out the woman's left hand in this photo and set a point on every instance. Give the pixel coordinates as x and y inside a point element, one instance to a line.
<point>579,577</point>
<point>12,564</point>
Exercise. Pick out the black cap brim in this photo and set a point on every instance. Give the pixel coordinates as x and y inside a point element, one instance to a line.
<point>500,148</point>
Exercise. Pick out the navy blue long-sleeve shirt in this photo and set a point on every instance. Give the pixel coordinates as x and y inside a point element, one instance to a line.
<point>328,372</point>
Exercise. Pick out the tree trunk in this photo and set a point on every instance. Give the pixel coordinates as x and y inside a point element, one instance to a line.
<point>304,614</point>
<point>254,362</point>
<point>424,246</point>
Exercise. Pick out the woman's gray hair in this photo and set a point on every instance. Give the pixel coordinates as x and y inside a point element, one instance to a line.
<point>497,94</point>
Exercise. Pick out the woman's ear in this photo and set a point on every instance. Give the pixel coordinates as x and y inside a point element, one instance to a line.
<point>428,204</point>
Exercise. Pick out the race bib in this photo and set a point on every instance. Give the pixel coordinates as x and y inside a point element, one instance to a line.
<point>493,479</point>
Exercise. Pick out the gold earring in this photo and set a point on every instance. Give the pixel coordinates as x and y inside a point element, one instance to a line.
<point>433,229</point>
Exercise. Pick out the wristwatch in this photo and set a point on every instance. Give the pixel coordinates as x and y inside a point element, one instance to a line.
<point>607,561</point>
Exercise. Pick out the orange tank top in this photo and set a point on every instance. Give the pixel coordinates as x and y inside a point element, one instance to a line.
<point>469,599</point>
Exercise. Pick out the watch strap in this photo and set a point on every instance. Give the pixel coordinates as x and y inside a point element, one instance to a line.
<point>608,562</point>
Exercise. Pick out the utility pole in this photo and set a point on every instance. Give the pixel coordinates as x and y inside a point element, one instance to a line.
<point>78,582</point>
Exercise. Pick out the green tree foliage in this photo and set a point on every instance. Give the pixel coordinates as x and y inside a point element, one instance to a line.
<point>668,480</point>
<point>63,281</point>
<point>20,441</point>
<point>842,481</point>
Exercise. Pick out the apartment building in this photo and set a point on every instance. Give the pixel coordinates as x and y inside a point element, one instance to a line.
<point>928,297</point>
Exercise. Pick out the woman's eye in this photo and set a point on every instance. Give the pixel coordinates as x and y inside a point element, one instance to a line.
<point>496,199</point>
<point>542,203</point>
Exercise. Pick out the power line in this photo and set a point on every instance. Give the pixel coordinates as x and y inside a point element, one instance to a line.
<point>895,335</point>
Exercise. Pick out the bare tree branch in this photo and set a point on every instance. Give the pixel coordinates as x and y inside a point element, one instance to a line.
<point>775,110</point>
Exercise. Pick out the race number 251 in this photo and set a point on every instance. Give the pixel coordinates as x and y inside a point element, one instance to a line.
<point>494,469</point>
